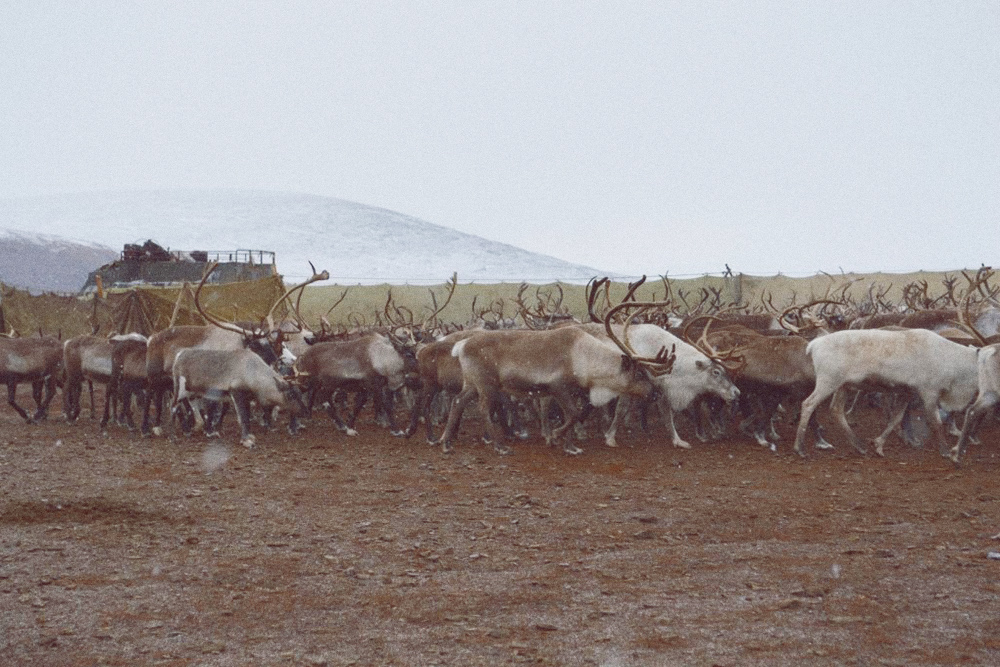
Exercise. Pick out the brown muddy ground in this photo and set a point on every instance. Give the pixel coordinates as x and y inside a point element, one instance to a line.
<point>372,550</point>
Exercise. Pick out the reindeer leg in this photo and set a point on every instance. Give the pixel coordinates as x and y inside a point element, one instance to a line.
<point>389,405</point>
<point>491,405</point>
<point>140,395</point>
<point>360,399</point>
<point>820,393</point>
<point>821,442</point>
<point>158,399</point>
<point>147,401</point>
<point>667,413</point>
<point>71,397</point>
<point>428,412</point>
<point>513,424</point>
<point>331,409</point>
<point>415,412</point>
<point>106,417</point>
<point>571,414</point>
<point>458,406</point>
<point>241,401</point>
<point>837,405</point>
<point>36,392</point>
<point>621,410</point>
<point>934,417</point>
<point>11,400</point>
<point>895,420</point>
<point>973,418</point>
<point>216,411</point>
<point>50,392</point>
<point>580,431</point>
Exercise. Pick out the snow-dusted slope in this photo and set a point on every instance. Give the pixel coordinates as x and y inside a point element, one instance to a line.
<point>48,263</point>
<point>354,242</point>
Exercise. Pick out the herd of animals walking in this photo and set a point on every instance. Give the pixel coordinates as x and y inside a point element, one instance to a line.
<point>927,362</point>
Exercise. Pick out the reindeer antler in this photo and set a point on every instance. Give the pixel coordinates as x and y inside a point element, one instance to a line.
<point>730,359</point>
<point>452,285</point>
<point>592,291</point>
<point>663,362</point>
<point>324,275</point>
<point>249,333</point>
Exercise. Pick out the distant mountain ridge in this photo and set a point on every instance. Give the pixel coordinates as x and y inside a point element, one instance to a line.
<point>48,263</point>
<point>356,243</point>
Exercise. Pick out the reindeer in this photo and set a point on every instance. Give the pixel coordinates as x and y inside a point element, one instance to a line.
<point>163,346</point>
<point>34,360</point>
<point>438,372</point>
<point>239,374</point>
<point>988,395</point>
<point>939,371</point>
<point>90,358</point>
<point>697,371</point>
<point>371,366</point>
<point>374,365</point>
<point>563,362</point>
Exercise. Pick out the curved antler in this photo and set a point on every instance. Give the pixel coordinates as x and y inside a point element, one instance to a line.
<point>211,320</point>
<point>592,291</point>
<point>325,275</point>
<point>964,323</point>
<point>435,310</point>
<point>730,359</point>
<point>663,362</point>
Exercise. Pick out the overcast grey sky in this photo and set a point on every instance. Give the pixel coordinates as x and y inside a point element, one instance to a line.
<point>639,137</point>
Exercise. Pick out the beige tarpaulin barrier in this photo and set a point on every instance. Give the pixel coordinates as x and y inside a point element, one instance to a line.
<point>143,310</point>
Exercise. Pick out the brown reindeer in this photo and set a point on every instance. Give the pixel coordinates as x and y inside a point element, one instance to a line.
<point>372,366</point>
<point>564,362</point>
<point>87,359</point>
<point>34,360</point>
<point>266,340</point>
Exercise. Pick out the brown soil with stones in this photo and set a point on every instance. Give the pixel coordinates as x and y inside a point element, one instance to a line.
<point>329,550</point>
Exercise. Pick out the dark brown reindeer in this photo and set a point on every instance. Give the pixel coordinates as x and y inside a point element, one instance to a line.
<point>37,361</point>
<point>128,376</point>
<point>90,359</point>
<point>373,365</point>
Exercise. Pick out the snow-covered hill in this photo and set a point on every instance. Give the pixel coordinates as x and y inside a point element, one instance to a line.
<point>354,242</point>
<point>48,263</point>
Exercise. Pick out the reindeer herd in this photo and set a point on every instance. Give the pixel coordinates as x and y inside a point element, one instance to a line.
<point>928,363</point>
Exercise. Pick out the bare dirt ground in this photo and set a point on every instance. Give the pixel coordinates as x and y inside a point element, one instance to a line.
<point>324,549</point>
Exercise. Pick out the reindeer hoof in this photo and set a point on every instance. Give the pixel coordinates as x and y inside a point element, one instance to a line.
<point>503,450</point>
<point>682,444</point>
<point>824,445</point>
<point>446,448</point>
<point>248,442</point>
<point>157,431</point>
<point>398,434</point>
<point>572,450</point>
<point>351,432</point>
